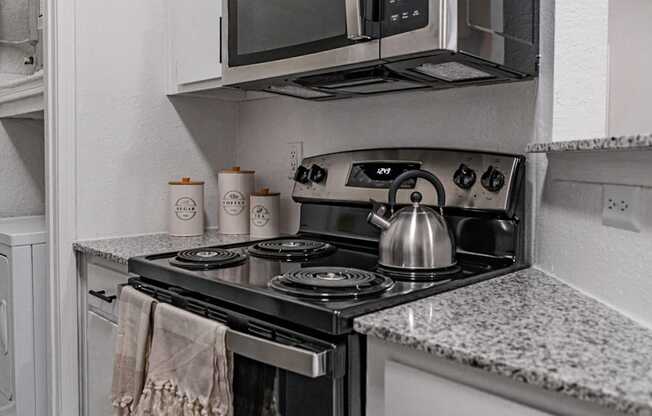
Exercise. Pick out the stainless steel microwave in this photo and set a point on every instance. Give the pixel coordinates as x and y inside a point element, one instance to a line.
<point>328,49</point>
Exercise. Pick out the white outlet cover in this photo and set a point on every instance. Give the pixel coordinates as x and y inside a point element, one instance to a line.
<point>621,207</point>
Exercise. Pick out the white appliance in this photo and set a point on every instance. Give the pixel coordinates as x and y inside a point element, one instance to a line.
<point>23,272</point>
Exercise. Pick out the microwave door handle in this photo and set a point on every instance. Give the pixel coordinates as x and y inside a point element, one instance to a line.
<point>354,23</point>
<point>307,363</point>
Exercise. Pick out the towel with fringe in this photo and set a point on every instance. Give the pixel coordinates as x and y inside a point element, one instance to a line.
<point>131,349</point>
<point>189,369</point>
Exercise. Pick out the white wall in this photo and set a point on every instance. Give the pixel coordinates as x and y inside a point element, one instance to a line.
<point>630,60</point>
<point>571,242</point>
<point>498,118</point>
<point>22,189</point>
<point>580,69</point>
<point>132,139</point>
<point>611,264</point>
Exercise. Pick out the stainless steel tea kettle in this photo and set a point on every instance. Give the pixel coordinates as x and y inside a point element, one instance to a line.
<point>416,237</point>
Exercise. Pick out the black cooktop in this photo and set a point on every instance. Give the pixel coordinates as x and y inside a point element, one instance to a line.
<point>302,281</point>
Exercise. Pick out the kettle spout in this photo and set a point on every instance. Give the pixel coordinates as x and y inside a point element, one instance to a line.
<point>378,221</point>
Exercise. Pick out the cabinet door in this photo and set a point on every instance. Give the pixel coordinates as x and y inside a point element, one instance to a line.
<point>6,338</point>
<point>410,391</point>
<point>195,40</point>
<point>101,335</point>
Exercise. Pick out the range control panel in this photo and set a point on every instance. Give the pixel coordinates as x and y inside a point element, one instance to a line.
<point>473,180</point>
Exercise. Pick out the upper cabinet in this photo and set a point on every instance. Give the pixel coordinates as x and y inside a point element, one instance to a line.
<point>194,44</point>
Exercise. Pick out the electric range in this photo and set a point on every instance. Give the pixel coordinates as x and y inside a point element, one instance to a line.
<point>290,302</point>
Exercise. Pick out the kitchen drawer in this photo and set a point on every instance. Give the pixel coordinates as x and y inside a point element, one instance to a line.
<point>103,284</point>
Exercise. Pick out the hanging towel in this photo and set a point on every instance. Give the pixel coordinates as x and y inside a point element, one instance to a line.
<point>131,349</point>
<point>189,369</point>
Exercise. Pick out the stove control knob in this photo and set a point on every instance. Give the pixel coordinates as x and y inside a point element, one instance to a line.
<point>493,180</point>
<point>464,177</point>
<point>302,175</point>
<point>318,174</point>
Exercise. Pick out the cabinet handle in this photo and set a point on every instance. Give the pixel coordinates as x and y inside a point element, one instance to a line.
<point>101,294</point>
<point>4,329</point>
<point>221,36</point>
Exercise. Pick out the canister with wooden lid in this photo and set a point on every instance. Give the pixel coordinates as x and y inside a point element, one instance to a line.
<point>186,208</point>
<point>235,188</point>
<point>265,213</point>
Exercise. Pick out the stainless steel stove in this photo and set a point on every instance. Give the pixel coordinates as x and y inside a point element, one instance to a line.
<point>290,302</point>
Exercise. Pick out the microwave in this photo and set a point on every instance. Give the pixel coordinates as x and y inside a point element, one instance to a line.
<point>329,49</point>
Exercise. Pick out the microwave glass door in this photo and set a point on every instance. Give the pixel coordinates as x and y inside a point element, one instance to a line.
<point>271,30</point>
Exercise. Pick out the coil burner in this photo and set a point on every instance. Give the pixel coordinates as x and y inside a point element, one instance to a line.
<point>207,259</point>
<point>291,249</point>
<point>331,282</point>
<point>429,275</point>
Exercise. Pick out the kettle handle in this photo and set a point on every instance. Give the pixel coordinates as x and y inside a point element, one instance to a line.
<point>396,185</point>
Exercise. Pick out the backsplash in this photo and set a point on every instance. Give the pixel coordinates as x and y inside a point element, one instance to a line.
<point>22,181</point>
<point>573,244</point>
<point>496,118</point>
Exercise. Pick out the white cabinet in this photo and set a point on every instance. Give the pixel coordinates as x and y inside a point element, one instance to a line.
<point>403,381</point>
<point>410,391</point>
<point>101,281</point>
<point>101,333</point>
<point>194,45</point>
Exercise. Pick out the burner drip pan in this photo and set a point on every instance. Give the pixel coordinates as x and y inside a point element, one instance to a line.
<point>425,275</point>
<point>207,259</point>
<point>291,249</point>
<point>331,282</point>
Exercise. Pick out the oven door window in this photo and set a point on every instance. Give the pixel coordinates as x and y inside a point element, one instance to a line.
<point>263,390</point>
<point>269,30</point>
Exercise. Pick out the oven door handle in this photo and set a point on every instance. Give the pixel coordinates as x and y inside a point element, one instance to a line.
<point>354,23</point>
<point>307,363</point>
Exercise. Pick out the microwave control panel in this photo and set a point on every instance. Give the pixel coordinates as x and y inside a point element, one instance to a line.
<point>402,16</point>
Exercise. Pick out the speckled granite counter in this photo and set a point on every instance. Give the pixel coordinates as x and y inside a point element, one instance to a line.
<point>535,329</point>
<point>119,250</point>
<point>598,144</point>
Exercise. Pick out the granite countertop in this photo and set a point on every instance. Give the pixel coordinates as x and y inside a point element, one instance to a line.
<point>597,144</point>
<point>119,250</point>
<point>535,329</point>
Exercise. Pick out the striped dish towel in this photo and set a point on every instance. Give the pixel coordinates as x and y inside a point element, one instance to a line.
<point>189,370</point>
<point>131,350</point>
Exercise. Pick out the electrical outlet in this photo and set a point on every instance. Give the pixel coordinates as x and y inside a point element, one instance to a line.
<point>295,156</point>
<point>620,207</point>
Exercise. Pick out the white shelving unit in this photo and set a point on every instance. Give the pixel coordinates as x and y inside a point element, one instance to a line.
<point>22,96</point>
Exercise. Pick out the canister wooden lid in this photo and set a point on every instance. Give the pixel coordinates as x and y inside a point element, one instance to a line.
<point>237,170</point>
<point>265,192</point>
<point>186,181</point>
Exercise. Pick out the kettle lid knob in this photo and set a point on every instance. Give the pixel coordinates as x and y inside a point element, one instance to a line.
<point>416,197</point>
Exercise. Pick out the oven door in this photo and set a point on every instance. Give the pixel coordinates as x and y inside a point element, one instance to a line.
<point>276,38</point>
<point>275,378</point>
<point>278,371</point>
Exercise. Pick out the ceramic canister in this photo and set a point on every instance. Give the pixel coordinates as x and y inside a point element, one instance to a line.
<point>265,211</point>
<point>186,208</point>
<point>235,188</point>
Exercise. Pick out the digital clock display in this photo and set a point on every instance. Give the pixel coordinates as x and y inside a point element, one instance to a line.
<point>380,174</point>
